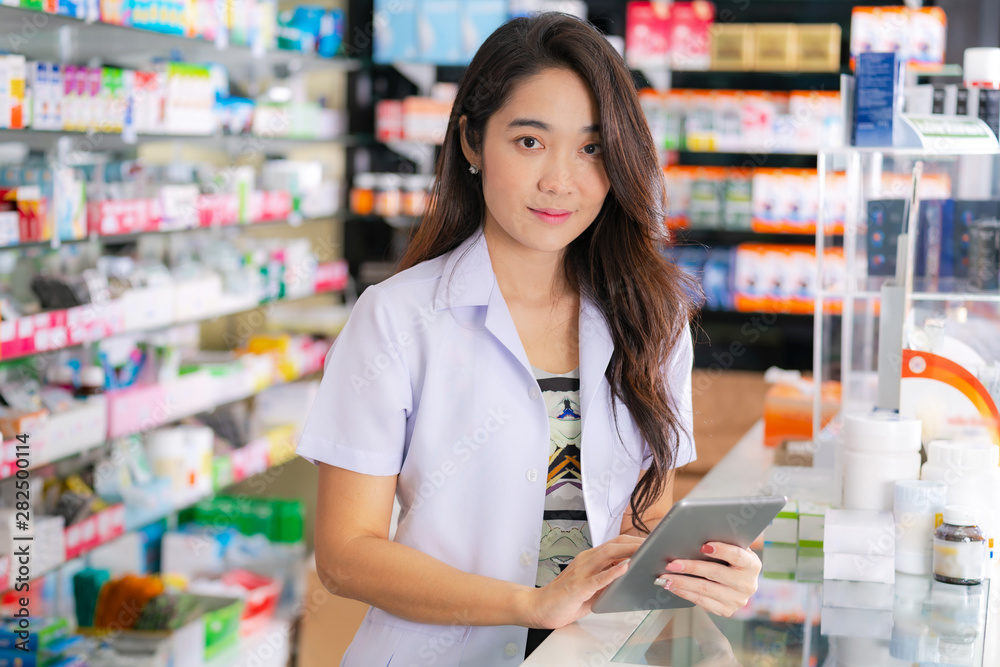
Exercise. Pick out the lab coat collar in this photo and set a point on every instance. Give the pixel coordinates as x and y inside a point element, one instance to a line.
<point>468,280</point>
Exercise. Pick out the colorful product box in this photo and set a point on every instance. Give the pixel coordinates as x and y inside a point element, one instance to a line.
<point>877,97</point>
<point>439,32</point>
<point>699,122</point>
<point>689,26</point>
<point>479,19</point>
<point>776,47</point>
<point>733,46</point>
<point>916,35</point>
<point>116,12</point>
<point>647,34</point>
<point>707,196</point>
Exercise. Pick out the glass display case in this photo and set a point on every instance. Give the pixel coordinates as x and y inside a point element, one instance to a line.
<point>907,301</point>
<point>918,620</point>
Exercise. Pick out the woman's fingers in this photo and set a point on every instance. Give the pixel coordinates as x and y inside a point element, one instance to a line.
<point>605,577</point>
<point>724,574</point>
<point>711,596</point>
<point>737,557</point>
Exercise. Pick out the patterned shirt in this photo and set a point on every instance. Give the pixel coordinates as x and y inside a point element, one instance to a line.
<point>565,532</point>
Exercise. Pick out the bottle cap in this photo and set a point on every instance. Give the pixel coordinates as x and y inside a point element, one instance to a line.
<point>920,496</point>
<point>960,515</point>
<point>959,455</point>
<point>882,432</point>
<point>61,376</point>
<point>92,376</point>
<point>981,67</point>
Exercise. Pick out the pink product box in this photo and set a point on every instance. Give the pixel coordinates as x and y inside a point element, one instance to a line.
<point>91,321</point>
<point>137,409</point>
<point>215,210</point>
<point>276,205</point>
<point>250,459</point>
<point>110,522</point>
<point>120,217</point>
<point>331,276</point>
<point>255,206</point>
<point>94,530</point>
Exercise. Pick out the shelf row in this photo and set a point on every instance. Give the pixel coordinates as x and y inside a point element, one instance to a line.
<point>144,309</point>
<point>100,419</point>
<point>48,36</point>
<point>42,139</point>
<point>269,451</point>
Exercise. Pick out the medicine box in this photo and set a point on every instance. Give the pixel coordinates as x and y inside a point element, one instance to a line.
<point>784,528</point>
<point>812,519</point>
<point>776,47</point>
<point>860,532</point>
<point>779,561</point>
<point>732,46</point>
<point>818,47</point>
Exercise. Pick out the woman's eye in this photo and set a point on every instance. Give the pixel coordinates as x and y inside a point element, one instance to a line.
<point>592,149</point>
<point>528,142</point>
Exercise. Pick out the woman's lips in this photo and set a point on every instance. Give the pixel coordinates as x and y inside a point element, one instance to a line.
<point>552,216</point>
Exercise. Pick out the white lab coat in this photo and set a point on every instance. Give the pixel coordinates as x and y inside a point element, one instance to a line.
<point>429,380</point>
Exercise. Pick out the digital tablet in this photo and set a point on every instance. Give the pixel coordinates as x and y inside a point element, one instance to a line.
<point>688,525</point>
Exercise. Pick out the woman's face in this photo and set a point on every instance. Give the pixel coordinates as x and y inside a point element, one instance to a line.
<point>541,163</point>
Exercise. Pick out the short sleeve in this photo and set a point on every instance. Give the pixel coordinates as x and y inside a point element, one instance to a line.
<point>678,379</point>
<point>358,419</point>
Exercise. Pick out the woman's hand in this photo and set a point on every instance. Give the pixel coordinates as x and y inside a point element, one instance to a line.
<point>723,589</point>
<point>570,595</point>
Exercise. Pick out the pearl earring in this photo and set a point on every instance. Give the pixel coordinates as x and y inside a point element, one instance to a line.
<point>473,169</point>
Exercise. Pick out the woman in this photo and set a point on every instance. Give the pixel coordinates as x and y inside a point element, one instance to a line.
<point>476,384</point>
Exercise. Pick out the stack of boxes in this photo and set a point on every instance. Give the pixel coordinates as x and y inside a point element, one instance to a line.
<point>793,543</point>
<point>812,522</point>
<point>781,543</point>
<point>859,571</point>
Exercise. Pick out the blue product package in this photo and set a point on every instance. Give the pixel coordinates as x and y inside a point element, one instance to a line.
<point>877,93</point>
<point>936,241</point>
<point>299,29</point>
<point>967,211</point>
<point>74,8</point>
<point>439,31</point>
<point>691,260</point>
<point>886,218</point>
<point>479,19</point>
<point>331,33</point>
<point>717,279</point>
<point>395,24</point>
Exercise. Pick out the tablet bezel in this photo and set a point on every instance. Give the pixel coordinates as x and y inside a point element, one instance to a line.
<point>689,524</point>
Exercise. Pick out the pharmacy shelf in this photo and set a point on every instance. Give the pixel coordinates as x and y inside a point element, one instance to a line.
<point>173,509</point>
<point>760,150</point>
<point>95,141</point>
<point>59,329</point>
<point>138,410</point>
<point>51,37</point>
<point>697,235</point>
<point>110,239</point>
<point>973,297</point>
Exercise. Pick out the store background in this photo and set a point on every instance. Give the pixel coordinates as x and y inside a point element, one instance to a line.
<point>341,94</point>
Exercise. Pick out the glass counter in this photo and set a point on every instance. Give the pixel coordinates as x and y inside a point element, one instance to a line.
<point>917,620</point>
<point>827,623</point>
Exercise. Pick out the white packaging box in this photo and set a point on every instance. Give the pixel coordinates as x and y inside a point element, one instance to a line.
<point>860,532</point>
<point>858,567</point>
<point>837,622</point>
<point>858,595</point>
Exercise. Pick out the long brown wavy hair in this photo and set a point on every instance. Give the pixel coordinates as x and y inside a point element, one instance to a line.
<point>616,262</point>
